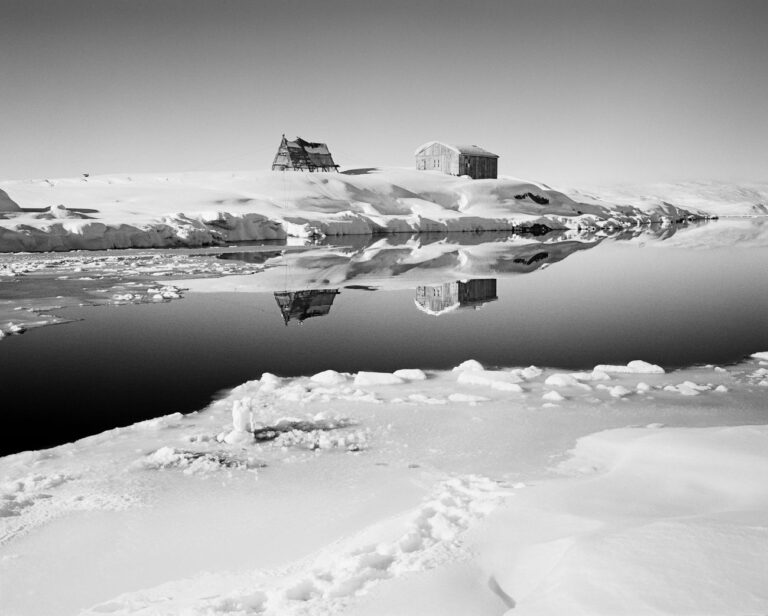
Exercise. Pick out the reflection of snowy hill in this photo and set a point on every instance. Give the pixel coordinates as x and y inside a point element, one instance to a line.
<point>195,209</point>
<point>392,263</point>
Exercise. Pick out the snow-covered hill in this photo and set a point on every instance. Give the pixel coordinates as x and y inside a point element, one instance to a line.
<point>716,198</point>
<point>195,209</point>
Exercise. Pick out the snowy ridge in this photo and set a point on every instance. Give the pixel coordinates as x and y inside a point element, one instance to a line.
<point>717,198</point>
<point>198,209</point>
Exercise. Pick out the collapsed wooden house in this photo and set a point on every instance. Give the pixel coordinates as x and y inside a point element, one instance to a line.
<point>300,155</point>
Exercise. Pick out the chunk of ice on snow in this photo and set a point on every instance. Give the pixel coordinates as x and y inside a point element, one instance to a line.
<point>619,391</point>
<point>242,416</point>
<point>469,365</point>
<point>595,375</point>
<point>634,367</point>
<point>411,375</point>
<point>496,379</point>
<point>761,355</point>
<point>561,380</point>
<point>552,396</point>
<point>466,398</point>
<point>688,388</point>
<point>531,372</point>
<point>329,377</point>
<point>366,379</point>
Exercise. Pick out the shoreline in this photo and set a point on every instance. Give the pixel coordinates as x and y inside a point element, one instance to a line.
<point>385,479</point>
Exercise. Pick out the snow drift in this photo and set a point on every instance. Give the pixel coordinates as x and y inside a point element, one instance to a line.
<point>7,204</point>
<point>717,198</point>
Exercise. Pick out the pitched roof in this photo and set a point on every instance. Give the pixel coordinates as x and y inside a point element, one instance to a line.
<point>472,150</point>
<point>309,153</point>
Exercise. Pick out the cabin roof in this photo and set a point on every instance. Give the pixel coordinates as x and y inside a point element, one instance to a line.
<point>317,154</point>
<point>471,150</point>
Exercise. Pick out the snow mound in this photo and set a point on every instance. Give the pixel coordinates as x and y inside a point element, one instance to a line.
<point>412,374</point>
<point>329,377</point>
<point>552,396</point>
<point>368,379</point>
<point>194,462</point>
<point>469,365</point>
<point>495,379</point>
<point>634,367</point>
<point>15,496</point>
<point>688,388</point>
<point>7,204</point>
<point>692,504</point>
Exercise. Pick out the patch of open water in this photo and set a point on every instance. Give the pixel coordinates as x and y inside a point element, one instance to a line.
<point>610,303</point>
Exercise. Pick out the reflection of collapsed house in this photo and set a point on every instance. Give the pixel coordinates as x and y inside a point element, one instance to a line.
<point>449,296</point>
<point>300,305</point>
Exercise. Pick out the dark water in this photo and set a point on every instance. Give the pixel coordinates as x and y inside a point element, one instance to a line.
<point>609,304</point>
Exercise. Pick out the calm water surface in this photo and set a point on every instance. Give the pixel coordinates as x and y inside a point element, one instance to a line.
<point>609,304</point>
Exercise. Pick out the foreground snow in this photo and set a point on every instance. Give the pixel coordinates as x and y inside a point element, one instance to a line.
<point>415,492</point>
<point>196,209</point>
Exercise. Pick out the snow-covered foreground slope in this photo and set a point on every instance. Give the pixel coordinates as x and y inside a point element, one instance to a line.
<point>408,493</point>
<point>195,209</point>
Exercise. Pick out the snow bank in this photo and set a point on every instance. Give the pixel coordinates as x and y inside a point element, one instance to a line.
<point>197,209</point>
<point>715,198</point>
<point>7,204</point>
<point>661,521</point>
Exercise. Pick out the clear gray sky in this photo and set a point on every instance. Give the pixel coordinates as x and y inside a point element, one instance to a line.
<point>563,90</point>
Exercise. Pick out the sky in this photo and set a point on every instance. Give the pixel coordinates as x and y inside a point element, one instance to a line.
<point>565,91</point>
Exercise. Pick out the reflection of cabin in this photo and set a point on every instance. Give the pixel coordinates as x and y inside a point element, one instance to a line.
<point>468,160</point>
<point>449,296</point>
<point>300,155</point>
<point>300,305</point>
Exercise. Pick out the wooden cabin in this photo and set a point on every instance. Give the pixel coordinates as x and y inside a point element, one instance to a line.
<point>468,160</point>
<point>301,155</point>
